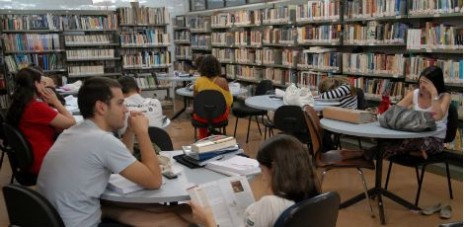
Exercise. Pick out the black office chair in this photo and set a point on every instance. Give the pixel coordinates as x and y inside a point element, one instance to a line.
<point>240,109</point>
<point>209,104</point>
<point>318,211</point>
<point>416,162</point>
<point>161,138</point>
<point>27,208</point>
<point>291,120</point>
<point>20,156</point>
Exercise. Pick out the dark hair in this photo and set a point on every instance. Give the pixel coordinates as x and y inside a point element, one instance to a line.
<point>293,175</point>
<point>24,92</point>
<point>128,84</point>
<point>93,90</point>
<point>434,74</point>
<point>197,62</point>
<point>210,66</point>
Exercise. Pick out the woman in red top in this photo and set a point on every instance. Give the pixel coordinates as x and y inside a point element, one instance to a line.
<point>30,112</point>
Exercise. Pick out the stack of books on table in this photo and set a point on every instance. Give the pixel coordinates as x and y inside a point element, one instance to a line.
<point>211,148</point>
<point>235,166</point>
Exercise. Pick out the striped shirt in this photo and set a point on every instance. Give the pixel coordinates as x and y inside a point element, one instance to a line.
<point>343,95</point>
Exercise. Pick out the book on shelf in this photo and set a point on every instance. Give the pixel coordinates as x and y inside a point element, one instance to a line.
<point>235,166</point>
<point>213,142</point>
<point>228,198</point>
<point>120,184</point>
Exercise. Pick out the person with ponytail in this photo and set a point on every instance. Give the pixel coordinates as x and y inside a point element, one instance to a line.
<point>31,114</point>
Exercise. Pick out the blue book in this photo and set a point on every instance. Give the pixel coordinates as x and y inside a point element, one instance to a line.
<point>460,69</point>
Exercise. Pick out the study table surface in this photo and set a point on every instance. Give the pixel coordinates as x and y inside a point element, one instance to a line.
<point>172,191</point>
<point>374,130</point>
<point>266,102</point>
<point>189,93</point>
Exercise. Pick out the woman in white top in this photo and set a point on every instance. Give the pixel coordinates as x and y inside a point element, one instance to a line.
<point>430,97</point>
<point>287,173</point>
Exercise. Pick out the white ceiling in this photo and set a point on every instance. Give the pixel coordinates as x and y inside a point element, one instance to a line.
<point>175,7</point>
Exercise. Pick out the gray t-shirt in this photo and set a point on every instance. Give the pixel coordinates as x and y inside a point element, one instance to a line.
<point>76,170</point>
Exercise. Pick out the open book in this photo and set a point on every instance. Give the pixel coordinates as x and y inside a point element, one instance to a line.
<point>228,198</point>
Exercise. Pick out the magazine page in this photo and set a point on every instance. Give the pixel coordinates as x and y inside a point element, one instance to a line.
<point>228,198</point>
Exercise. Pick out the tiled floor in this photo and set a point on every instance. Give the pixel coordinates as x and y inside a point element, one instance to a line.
<point>346,182</point>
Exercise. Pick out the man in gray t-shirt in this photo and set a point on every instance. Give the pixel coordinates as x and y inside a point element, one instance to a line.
<point>76,170</point>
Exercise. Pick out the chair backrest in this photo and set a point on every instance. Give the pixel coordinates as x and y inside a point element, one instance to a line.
<point>263,87</point>
<point>4,143</point>
<point>314,127</point>
<point>160,138</point>
<point>452,124</point>
<point>291,120</point>
<point>361,99</point>
<point>27,208</point>
<point>20,146</point>
<point>20,155</point>
<point>320,210</point>
<point>209,104</point>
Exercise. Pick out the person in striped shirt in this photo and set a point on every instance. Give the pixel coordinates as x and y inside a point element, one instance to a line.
<point>338,88</point>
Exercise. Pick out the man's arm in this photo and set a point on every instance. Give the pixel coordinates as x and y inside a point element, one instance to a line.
<point>147,172</point>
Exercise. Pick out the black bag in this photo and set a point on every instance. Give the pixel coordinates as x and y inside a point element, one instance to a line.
<point>404,119</point>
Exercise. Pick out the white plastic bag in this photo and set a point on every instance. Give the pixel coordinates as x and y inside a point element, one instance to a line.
<point>298,96</point>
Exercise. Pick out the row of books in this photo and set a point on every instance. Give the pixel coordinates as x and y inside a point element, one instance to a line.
<point>31,42</point>
<point>245,55</point>
<point>182,66</point>
<point>278,36</point>
<point>183,52</point>
<point>281,14</point>
<point>375,8</point>
<point>146,82</point>
<point>318,10</point>
<point>310,79</point>
<point>87,39</point>
<point>145,37</point>
<point>277,76</point>
<point>201,41</point>
<point>182,35</point>
<point>375,33</point>
<point>420,7</point>
<point>86,70</point>
<point>435,36</point>
<point>146,59</point>
<point>452,69</point>
<point>221,20</point>
<point>247,17</point>
<point>199,24</point>
<point>244,72</point>
<point>223,38</point>
<point>375,88</point>
<point>319,34</point>
<point>89,53</point>
<point>224,54</point>
<point>144,15</point>
<point>271,56</point>
<point>45,61</point>
<point>79,22</point>
<point>31,22</point>
<point>374,63</point>
<point>329,60</point>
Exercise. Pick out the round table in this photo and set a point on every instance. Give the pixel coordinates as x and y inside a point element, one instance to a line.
<point>172,190</point>
<point>374,130</point>
<point>186,92</point>
<point>268,102</point>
